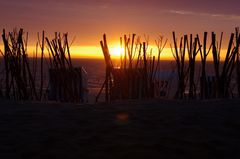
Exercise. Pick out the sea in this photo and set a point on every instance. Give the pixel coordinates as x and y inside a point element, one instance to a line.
<point>95,69</point>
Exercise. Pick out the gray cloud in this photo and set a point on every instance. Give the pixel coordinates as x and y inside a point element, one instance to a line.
<point>210,15</point>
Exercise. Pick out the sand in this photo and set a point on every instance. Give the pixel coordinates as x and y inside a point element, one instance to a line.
<point>127,129</point>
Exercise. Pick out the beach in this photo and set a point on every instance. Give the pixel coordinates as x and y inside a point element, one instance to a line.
<point>122,129</point>
<point>119,79</point>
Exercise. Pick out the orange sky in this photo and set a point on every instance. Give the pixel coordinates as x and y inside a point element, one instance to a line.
<point>87,20</point>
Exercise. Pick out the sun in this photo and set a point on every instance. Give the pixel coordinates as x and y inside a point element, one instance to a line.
<point>116,51</point>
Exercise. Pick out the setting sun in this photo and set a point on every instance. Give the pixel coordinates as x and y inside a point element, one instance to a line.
<point>116,51</point>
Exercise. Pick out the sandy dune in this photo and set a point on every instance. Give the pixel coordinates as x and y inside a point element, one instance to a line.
<point>128,129</point>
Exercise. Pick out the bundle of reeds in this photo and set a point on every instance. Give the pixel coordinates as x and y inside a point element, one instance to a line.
<point>182,70</point>
<point>220,86</point>
<point>19,81</point>
<point>237,61</point>
<point>65,81</point>
<point>224,78</point>
<point>193,50</point>
<point>204,90</point>
<point>59,54</point>
<point>135,78</point>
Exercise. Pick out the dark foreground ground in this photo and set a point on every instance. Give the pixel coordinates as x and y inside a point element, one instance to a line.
<point>130,129</point>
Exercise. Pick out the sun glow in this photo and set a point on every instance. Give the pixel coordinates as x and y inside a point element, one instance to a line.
<point>116,51</point>
<point>96,52</point>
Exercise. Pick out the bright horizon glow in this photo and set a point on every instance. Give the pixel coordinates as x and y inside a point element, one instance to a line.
<point>116,51</point>
<point>95,52</point>
<point>88,20</point>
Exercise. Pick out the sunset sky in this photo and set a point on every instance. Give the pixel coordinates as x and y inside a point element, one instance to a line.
<point>89,19</point>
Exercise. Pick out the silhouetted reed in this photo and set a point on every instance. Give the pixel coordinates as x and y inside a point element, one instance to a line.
<point>65,81</point>
<point>182,70</point>
<point>19,81</point>
<point>224,78</point>
<point>217,87</point>
<point>138,75</point>
<point>135,78</point>
<point>204,89</point>
<point>237,61</point>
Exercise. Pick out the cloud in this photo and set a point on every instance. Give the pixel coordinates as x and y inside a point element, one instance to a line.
<point>210,15</point>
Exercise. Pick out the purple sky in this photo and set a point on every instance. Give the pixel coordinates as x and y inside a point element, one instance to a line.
<point>89,19</point>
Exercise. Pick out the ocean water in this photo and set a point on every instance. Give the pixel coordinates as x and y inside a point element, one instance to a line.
<point>95,69</point>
